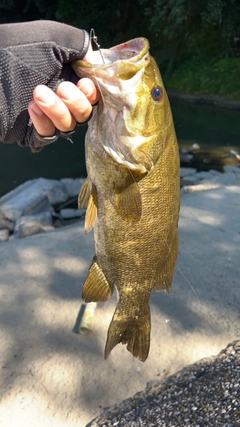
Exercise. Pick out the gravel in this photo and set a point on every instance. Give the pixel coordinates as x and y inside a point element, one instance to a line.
<point>206,393</point>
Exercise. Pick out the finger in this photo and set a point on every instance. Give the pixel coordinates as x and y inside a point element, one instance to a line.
<point>89,57</point>
<point>43,125</point>
<point>54,108</point>
<point>89,89</point>
<point>75,100</point>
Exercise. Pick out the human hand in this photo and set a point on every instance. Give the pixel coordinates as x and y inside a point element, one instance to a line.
<point>71,104</point>
<point>37,78</point>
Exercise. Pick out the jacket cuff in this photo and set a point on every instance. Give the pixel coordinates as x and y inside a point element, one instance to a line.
<point>39,142</point>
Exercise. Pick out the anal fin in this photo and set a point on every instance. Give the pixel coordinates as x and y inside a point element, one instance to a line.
<point>96,287</point>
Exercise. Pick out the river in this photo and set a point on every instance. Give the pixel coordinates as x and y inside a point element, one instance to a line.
<point>215,130</point>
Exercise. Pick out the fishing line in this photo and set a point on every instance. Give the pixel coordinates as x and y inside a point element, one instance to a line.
<point>198,299</point>
<point>193,290</point>
<point>95,40</point>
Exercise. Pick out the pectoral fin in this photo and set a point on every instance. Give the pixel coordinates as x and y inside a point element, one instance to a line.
<point>88,199</point>
<point>165,272</point>
<point>128,203</point>
<point>96,287</point>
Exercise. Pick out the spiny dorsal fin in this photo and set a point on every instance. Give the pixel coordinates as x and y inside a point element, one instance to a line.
<point>91,214</point>
<point>96,287</point>
<point>84,194</point>
<point>165,271</point>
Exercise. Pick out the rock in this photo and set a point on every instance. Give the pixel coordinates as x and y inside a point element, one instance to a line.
<point>47,228</point>
<point>24,204</point>
<point>5,224</point>
<point>185,156</point>
<point>233,169</point>
<point>195,146</point>
<point>210,180</point>
<point>54,190</point>
<point>72,213</point>
<point>32,197</point>
<point>4,235</point>
<point>33,224</point>
<point>204,175</point>
<point>189,180</point>
<point>31,228</point>
<point>207,185</point>
<point>72,186</point>
<point>203,394</point>
<point>214,172</point>
<point>16,191</point>
<point>229,178</point>
<point>187,171</point>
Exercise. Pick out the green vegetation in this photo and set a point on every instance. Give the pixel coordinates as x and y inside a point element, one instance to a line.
<point>196,43</point>
<point>207,76</point>
<point>200,42</point>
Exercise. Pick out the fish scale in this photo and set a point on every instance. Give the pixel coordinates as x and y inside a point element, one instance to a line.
<point>132,190</point>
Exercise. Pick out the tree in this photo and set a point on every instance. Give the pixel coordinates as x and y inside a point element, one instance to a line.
<point>190,28</point>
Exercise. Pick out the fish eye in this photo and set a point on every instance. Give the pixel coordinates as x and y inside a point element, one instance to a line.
<point>157,93</point>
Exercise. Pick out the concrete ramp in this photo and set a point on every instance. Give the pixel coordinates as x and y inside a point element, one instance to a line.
<point>51,376</point>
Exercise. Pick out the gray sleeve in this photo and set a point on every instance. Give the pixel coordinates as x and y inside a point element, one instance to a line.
<point>33,53</point>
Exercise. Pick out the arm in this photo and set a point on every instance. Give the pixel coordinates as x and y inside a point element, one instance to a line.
<point>39,53</point>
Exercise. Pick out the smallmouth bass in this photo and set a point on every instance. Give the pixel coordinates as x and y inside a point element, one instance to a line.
<point>132,190</point>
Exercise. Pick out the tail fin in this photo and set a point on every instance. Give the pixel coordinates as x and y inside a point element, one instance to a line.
<point>133,331</point>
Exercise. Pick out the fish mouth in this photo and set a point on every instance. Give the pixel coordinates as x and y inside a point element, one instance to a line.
<point>133,50</point>
<point>121,61</point>
<point>119,80</point>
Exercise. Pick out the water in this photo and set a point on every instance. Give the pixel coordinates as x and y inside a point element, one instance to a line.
<point>216,130</point>
<point>211,127</point>
<point>59,160</point>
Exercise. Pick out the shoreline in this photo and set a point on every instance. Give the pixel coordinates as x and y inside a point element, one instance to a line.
<point>43,205</point>
<point>213,100</point>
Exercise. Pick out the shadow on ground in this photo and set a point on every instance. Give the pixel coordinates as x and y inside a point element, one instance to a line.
<point>55,376</point>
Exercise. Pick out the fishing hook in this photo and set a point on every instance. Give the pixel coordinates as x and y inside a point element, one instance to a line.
<point>95,39</point>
